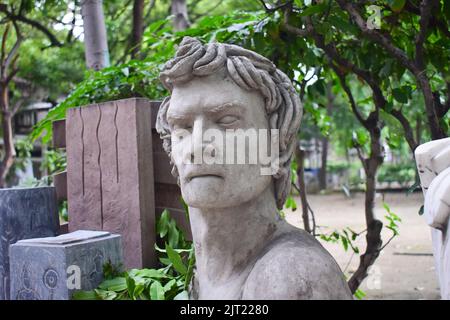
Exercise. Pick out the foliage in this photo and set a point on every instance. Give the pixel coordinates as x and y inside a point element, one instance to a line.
<point>139,78</point>
<point>393,220</point>
<point>54,161</point>
<point>404,174</point>
<point>63,211</point>
<point>167,283</point>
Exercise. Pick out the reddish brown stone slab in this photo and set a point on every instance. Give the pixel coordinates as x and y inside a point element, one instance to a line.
<point>60,182</point>
<point>64,228</point>
<point>163,168</point>
<point>110,174</point>
<point>59,133</point>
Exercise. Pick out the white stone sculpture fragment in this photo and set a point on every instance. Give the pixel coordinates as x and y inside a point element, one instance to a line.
<point>433,164</point>
<point>220,94</point>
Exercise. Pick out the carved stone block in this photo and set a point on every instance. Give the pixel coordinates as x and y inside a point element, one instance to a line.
<point>53,268</point>
<point>110,174</point>
<point>24,213</point>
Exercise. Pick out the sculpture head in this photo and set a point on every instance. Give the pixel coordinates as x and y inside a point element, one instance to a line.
<point>218,89</point>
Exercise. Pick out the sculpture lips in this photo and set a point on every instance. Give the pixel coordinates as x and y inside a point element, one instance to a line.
<point>202,174</point>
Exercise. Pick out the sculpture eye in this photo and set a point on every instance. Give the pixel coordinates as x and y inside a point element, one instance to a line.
<point>180,133</point>
<point>228,120</point>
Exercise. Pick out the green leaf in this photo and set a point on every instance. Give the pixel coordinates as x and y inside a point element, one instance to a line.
<point>85,295</point>
<point>317,8</point>
<point>342,24</point>
<point>173,234</point>
<point>116,284</point>
<point>131,285</point>
<point>105,295</point>
<point>170,284</point>
<point>162,225</point>
<point>138,290</point>
<point>344,243</point>
<point>150,273</point>
<point>176,260</point>
<point>156,291</point>
<point>165,261</point>
<point>359,294</point>
<point>400,95</point>
<point>396,5</point>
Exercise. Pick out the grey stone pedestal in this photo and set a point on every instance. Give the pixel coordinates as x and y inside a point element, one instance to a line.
<point>53,268</point>
<point>24,213</point>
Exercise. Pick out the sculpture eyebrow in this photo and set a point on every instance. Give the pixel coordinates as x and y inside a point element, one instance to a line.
<point>235,106</point>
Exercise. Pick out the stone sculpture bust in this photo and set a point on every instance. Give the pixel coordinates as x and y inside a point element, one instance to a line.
<point>243,248</point>
<point>433,164</point>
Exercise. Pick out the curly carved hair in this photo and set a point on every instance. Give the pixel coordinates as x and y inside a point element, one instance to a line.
<point>249,71</point>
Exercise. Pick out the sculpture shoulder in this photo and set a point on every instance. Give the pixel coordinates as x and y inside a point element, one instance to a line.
<point>296,267</point>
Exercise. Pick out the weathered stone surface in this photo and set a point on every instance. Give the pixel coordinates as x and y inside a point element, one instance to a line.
<point>47,268</point>
<point>24,213</point>
<point>60,182</point>
<point>243,249</point>
<point>110,174</point>
<point>433,164</point>
<point>59,134</point>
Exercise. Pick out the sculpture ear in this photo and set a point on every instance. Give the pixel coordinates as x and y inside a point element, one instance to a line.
<point>437,201</point>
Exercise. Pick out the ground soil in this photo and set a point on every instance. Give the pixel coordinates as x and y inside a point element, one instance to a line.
<point>405,268</point>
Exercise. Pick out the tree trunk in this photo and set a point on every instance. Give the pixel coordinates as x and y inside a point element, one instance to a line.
<point>374,226</point>
<point>299,158</point>
<point>323,165</point>
<point>179,10</point>
<point>324,140</point>
<point>95,40</point>
<point>138,27</point>
<point>8,140</point>
<point>430,107</point>
<point>418,130</point>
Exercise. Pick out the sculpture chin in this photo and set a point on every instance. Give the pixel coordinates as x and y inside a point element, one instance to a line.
<point>212,191</point>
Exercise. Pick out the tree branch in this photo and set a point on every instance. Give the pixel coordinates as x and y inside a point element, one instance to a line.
<point>409,135</point>
<point>377,37</point>
<point>12,54</point>
<point>434,21</point>
<point>207,12</point>
<point>425,13</point>
<point>54,41</point>
<point>290,28</point>
<point>416,70</point>
<point>349,94</point>
<point>3,49</point>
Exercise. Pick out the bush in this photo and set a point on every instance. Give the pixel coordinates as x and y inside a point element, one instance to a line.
<point>403,174</point>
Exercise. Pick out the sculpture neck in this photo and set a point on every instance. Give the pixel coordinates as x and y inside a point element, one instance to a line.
<point>228,239</point>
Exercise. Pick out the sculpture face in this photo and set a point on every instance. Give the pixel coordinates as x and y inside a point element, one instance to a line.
<point>215,104</point>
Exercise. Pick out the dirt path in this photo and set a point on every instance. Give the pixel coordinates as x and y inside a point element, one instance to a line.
<point>405,269</point>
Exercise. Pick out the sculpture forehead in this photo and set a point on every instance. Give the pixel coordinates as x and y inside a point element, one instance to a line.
<point>201,93</point>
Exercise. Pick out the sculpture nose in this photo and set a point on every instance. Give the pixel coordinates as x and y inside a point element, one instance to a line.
<point>195,151</point>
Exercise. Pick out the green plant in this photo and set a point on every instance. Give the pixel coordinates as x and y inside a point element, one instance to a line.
<point>169,282</point>
<point>63,212</point>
